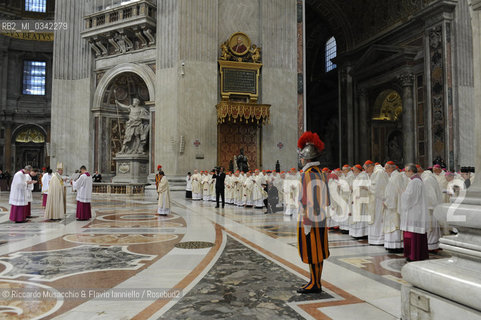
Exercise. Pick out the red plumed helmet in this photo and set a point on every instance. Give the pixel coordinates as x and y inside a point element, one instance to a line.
<point>310,145</point>
<point>159,167</point>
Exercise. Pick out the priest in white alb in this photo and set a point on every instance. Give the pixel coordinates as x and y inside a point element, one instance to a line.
<point>196,186</point>
<point>345,181</point>
<point>83,185</point>
<point>258,192</point>
<point>164,195</point>
<point>414,214</point>
<point>358,227</point>
<point>376,230</point>
<point>393,240</point>
<point>56,207</point>
<point>247,189</point>
<point>17,198</point>
<point>292,188</point>
<point>45,180</point>
<point>434,197</point>
<point>28,194</point>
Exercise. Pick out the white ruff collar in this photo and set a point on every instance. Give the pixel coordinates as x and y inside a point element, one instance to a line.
<point>311,164</point>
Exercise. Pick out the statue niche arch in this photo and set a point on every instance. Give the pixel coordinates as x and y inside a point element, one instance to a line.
<point>387,138</point>
<point>125,83</point>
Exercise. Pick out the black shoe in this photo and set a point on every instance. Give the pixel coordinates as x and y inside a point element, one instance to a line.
<point>307,291</point>
<point>222,207</point>
<point>217,206</point>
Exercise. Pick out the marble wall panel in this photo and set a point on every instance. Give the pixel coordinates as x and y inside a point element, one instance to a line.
<point>244,16</point>
<point>71,116</point>
<point>280,91</point>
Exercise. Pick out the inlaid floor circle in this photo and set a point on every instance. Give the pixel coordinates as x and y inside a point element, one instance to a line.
<point>119,239</point>
<point>394,265</point>
<point>138,217</point>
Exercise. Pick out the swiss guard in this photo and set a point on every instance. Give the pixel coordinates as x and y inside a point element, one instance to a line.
<point>314,201</point>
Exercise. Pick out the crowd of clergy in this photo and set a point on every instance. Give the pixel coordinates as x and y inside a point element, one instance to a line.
<point>264,189</point>
<point>372,200</point>
<point>54,193</point>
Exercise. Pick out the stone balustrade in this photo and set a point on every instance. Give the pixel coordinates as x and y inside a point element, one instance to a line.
<point>121,29</point>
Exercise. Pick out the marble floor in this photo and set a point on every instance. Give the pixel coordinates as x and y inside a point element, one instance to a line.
<point>197,263</point>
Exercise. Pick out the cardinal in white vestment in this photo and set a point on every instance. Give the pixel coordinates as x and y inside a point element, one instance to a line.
<point>83,185</point>
<point>414,213</point>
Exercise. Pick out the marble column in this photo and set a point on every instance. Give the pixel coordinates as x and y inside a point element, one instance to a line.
<point>350,116</point>
<point>450,288</point>
<point>407,82</point>
<point>3,79</point>
<point>71,90</point>
<point>364,136</point>
<point>8,147</point>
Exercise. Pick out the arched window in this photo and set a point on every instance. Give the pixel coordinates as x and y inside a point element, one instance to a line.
<point>36,5</point>
<point>331,53</point>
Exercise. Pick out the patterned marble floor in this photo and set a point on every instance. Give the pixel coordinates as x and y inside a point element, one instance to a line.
<point>197,263</point>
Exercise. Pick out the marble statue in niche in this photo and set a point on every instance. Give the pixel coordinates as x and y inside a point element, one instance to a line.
<point>137,128</point>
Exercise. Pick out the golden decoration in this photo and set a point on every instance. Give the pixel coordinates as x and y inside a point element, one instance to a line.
<point>240,49</point>
<point>243,112</point>
<point>34,36</point>
<point>391,108</point>
<point>30,135</point>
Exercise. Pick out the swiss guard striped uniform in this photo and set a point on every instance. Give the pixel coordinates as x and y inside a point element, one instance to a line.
<point>312,230</point>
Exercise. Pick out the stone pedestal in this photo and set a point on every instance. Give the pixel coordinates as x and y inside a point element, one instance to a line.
<point>131,168</point>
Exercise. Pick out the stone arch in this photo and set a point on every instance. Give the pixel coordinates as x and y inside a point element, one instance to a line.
<point>143,71</point>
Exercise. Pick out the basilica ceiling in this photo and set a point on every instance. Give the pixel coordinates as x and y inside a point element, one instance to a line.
<point>354,21</point>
